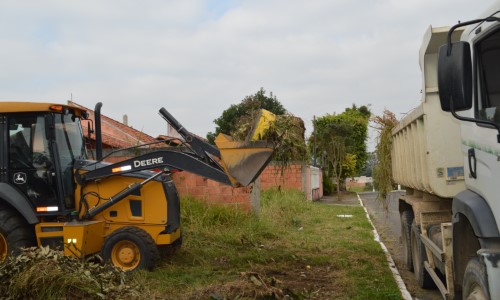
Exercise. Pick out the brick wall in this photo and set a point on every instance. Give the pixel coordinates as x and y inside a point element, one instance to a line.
<point>289,177</point>
<point>189,184</point>
<point>296,176</point>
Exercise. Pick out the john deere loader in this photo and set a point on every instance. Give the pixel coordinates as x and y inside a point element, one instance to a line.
<point>52,194</point>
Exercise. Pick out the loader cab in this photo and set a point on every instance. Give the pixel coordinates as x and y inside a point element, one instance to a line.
<point>38,152</point>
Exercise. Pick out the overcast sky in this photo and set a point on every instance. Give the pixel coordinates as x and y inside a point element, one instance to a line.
<point>197,57</point>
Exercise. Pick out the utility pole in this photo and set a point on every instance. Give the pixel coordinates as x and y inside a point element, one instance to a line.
<point>314,139</point>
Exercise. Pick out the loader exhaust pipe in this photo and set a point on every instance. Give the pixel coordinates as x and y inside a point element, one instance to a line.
<point>98,133</point>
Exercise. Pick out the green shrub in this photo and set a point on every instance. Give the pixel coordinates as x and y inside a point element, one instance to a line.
<point>328,186</point>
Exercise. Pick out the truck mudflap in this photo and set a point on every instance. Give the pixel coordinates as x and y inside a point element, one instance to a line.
<point>491,259</point>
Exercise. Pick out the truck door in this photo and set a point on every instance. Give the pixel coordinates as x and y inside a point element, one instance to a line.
<point>30,166</point>
<point>481,149</point>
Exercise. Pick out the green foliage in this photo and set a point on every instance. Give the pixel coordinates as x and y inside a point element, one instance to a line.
<point>340,142</point>
<point>328,186</point>
<point>287,136</point>
<point>349,165</point>
<point>382,172</point>
<point>43,273</point>
<point>230,117</point>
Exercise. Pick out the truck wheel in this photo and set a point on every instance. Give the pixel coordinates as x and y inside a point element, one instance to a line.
<point>130,248</point>
<point>406,221</point>
<point>419,255</point>
<point>15,233</point>
<point>475,285</point>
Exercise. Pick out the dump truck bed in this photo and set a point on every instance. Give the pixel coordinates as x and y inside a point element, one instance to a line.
<point>426,152</point>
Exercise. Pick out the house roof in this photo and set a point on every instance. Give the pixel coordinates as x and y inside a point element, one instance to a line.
<point>116,134</point>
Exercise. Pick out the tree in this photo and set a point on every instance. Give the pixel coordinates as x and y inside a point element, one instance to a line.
<point>340,142</point>
<point>230,117</point>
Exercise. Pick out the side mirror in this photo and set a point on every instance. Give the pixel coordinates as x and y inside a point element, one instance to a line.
<point>455,76</point>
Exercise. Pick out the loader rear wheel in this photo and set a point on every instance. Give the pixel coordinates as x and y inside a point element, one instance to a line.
<point>15,233</point>
<point>130,248</point>
<point>419,255</point>
<point>406,221</point>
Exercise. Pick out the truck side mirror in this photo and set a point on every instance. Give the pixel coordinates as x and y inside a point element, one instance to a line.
<point>455,76</point>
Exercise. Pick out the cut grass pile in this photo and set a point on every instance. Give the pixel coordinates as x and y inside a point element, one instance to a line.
<point>43,273</point>
<point>294,247</point>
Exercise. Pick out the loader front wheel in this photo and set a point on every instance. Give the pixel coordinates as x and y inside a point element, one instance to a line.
<point>130,248</point>
<point>15,233</point>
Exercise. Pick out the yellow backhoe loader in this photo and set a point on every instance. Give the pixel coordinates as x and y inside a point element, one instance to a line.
<point>52,194</point>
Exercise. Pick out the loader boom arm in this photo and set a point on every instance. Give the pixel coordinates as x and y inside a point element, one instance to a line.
<point>173,160</point>
<point>231,162</point>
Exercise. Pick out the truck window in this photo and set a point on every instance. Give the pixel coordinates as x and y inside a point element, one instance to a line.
<point>488,77</point>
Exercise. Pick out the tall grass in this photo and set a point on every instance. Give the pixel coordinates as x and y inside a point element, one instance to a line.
<point>292,246</point>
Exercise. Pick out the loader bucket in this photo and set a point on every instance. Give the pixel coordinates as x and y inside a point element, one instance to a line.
<point>243,161</point>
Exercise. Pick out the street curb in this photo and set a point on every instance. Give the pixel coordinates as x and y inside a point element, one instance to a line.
<point>402,287</point>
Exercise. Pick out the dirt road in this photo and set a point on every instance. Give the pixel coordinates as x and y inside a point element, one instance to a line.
<point>387,222</point>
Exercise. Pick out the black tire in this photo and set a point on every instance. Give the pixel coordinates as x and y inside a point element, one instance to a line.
<point>419,255</point>
<point>475,284</point>
<point>130,248</point>
<point>406,221</point>
<point>15,232</point>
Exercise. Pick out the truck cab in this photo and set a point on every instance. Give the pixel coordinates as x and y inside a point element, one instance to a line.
<point>469,88</point>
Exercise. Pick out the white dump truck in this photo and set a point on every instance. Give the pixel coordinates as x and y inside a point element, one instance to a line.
<point>446,153</point>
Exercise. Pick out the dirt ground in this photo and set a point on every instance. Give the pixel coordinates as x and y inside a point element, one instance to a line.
<point>291,282</point>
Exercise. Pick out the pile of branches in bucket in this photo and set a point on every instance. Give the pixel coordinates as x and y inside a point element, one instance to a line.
<point>286,134</point>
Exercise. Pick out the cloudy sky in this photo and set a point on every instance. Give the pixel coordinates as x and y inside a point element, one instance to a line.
<point>197,57</point>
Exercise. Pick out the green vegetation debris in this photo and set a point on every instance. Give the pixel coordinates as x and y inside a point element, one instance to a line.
<point>286,134</point>
<point>43,273</point>
<point>382,172</point>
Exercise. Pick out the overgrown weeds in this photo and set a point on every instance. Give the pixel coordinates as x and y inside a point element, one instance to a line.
<point>292,249</point>
<point>382,171</point>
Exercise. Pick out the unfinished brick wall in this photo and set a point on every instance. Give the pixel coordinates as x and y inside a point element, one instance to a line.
<point>189,184</point>
<point>296,176</point>
<point>289,177</point>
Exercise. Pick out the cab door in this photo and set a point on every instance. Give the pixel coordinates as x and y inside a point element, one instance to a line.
<point>480,142</point>
<point>30,166</point>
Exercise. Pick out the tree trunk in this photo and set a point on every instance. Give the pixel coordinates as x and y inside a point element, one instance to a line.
<point>338,188</point>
